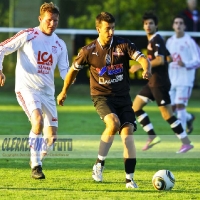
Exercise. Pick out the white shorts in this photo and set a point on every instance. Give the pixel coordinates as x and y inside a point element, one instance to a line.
<point>30,100</point>
<point>180,94</point>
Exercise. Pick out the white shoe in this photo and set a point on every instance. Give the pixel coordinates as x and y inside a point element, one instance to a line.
<point>97,173</point>
<point>131,184</point>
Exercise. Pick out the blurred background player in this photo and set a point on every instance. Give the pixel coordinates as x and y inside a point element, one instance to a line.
<point>39,50</point>
<point>185,59</point>
<point>157,88</point>
<point>108,60</point>
<point>192,16</point>
<point>192,22</point>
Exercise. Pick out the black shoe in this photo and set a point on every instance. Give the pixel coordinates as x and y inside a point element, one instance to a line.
<point>37,173</point>
<point>190,124</point>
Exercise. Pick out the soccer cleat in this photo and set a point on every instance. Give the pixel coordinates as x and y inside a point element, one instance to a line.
<point>97,173</point>
<point>37,173</point>
<point>190,124</point>
<point>151,142</point>
<point>131,184</point>
<point>185,147</point>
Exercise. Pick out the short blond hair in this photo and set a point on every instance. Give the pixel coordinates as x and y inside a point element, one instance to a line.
<point>49,7</point>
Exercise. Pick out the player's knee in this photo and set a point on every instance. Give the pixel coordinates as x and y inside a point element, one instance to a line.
<point>37,125</point>
<point>165,116</point>
<point>112,123</point>
<point>113,126</point>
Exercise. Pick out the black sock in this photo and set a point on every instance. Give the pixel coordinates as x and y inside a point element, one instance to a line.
<point>145,122</point>
<point>129,164</point>
<point>178,129</point>
<point>100,161</point>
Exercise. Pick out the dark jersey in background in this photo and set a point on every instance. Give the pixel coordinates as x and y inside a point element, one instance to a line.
<point>160,77</point>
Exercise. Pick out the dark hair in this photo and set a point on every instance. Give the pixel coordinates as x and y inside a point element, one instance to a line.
<point>104,16</point>
<point>49,7</point>
<point>181,17</point>
<point>150,15</point>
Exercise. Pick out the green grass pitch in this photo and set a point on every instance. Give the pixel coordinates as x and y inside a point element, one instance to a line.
<point>70,177</point>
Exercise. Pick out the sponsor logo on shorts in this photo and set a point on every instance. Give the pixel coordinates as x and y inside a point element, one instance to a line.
<point>162,102</point>
<point>54,119</point>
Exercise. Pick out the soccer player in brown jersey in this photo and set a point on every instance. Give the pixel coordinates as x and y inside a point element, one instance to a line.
<point>157,88</point>
<point>108,60</point>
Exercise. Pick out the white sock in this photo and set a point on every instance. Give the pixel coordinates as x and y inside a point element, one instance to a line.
<point>130,176</point>
<point>35,143</point>
<point>181,115</point>
<point>45,152</point>
<point>188,116</point>
<point>182,135</point>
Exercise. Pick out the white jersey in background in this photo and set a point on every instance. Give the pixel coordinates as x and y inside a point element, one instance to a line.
<point>184,49</point>
<point>37,57</point>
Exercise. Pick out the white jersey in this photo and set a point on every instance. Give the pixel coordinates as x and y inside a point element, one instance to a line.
<point>184,49</point>
<point>37,57</point>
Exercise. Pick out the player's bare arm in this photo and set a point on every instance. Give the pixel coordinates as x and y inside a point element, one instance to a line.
<point>69,79</point>
<point>146,66</point>
<point>169,59</point>
<point>135,68</point>
<point>2,78</point>
<point>159,60</point>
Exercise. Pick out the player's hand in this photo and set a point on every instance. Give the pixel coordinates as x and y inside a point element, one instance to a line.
<point>134,68</point>
<point>146,74</point>
<point>61,98</point>
<point>181,63</point>
<point>2,79</point>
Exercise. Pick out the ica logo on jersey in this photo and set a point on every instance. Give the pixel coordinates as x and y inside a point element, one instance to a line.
<point>44,61</point>
<point>176,57</point>
<point>44,58</point>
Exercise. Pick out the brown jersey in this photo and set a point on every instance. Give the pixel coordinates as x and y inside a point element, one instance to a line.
<point>160,77</point>
<point>109,67</point>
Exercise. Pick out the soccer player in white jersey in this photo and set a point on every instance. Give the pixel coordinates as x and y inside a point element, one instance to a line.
<point>39,51</point>
<point>185,60</point>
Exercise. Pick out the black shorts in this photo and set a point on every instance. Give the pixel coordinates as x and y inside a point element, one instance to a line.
<point>158,94</point>
<point>121,106</point>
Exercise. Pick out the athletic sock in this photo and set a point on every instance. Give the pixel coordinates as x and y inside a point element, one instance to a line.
<point>35,143</point>
<point>144,121</point>
<point>129,165</point>
<point>46,148</point>
<point>181,115</point>
<point>100,161</point>
<point>188,116</point>
<point>45,152</point>
<point>177,128</point>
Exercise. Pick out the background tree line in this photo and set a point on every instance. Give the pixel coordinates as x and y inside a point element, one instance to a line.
<point>80,14</point>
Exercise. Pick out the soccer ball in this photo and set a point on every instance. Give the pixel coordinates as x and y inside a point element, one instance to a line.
<point>163,180</point>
